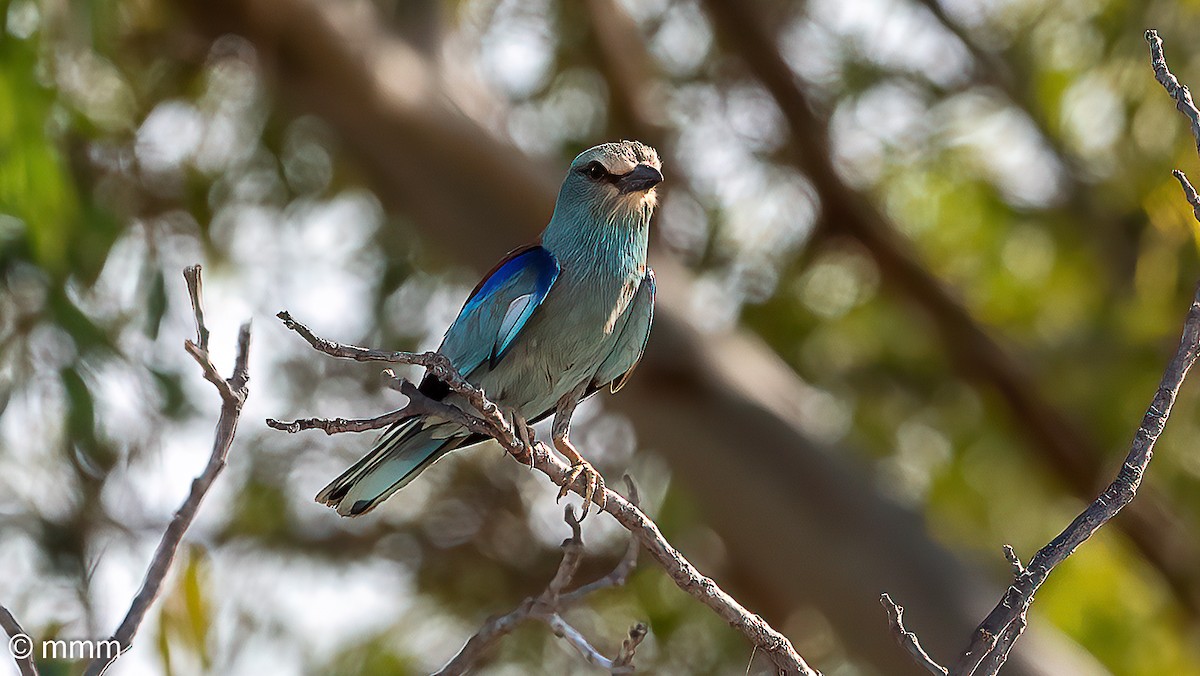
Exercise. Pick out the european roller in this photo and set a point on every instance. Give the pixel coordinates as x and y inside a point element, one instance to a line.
<point>553,323</point>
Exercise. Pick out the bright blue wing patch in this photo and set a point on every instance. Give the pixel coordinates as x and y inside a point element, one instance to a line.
<point>499,308</point>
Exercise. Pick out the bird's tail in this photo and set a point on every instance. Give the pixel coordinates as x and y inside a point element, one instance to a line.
<point>400,455</point>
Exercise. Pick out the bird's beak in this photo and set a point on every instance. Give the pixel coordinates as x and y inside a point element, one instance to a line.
<point>642,178</point>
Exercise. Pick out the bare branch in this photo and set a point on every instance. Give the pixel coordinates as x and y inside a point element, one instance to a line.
<point>495,628</point>
<point>18,646</point>
<point>907,639</point>
<point>233,395</point>
<point>572,556</point>
<point>338,425</point>
<point>678,568</point>
<point>996,633</point>
<point>993,639</point>
<point>548,607</point>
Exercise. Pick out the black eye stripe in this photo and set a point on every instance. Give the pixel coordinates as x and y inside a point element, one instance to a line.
<point>597,172</point>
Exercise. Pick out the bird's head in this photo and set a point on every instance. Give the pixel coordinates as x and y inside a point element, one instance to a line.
<point>614,181</point>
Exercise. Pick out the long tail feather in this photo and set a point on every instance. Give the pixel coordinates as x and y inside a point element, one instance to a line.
<point>400,455</point>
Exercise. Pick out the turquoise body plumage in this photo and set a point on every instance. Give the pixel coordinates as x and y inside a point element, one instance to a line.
<point>553,323</point>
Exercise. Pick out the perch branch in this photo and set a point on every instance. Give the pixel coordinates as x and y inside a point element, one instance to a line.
<point>9,624</point>
<point>233,395</point>
<point>548,606</point>
<point>679,569</point>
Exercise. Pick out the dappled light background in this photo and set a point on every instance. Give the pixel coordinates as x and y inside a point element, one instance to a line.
<point>1020,150</point>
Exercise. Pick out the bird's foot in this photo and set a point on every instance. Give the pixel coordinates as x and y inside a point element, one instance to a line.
<point>594,488</point>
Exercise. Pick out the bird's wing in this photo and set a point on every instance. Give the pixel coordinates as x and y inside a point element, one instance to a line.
<point>499,307</point>
<point>631,341</point>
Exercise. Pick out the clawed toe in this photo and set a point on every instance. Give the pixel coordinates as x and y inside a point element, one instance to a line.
<point>594,488</point>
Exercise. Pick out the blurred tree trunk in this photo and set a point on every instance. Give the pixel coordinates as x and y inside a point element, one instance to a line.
<point>803,525</point>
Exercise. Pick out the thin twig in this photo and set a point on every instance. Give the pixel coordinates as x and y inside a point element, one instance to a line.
<point>338,425</point>
<point>195,285</point>
<point>678,568</point>
<point>628,562</point>
<point>572,556</point>
<point>637,634</point>
<point>233,395</point>
<point>621,664</point>
<point>576,639</point>
<point>1010,555</point>
<point>418,404</point>
<point>1189,193</point>
<point>907,639</point>
<point>493,629</point>
<point>1181,94</point>
<point>22,648</point>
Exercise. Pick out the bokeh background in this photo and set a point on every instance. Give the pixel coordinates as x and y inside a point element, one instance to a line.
<point>921,263</point>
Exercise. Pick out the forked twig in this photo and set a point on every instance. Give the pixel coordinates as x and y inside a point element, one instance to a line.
<point>233,393</point>
<point>552,602</point>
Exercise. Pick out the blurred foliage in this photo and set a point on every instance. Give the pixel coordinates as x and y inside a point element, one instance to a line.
<point>185,618</point>
<point>1036,185</point>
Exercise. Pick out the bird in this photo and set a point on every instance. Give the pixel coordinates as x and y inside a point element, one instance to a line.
<point>551,324</point>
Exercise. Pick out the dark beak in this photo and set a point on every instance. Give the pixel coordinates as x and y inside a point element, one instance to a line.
<point>642,178</point>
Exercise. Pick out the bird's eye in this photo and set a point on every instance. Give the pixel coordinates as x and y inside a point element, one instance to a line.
<point>594,171</point>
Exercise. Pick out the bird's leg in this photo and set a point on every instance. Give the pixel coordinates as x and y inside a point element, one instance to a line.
<point>524,433</point>
<point>595,488</point>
